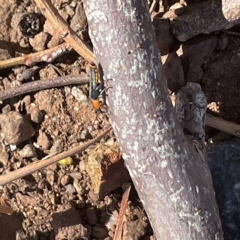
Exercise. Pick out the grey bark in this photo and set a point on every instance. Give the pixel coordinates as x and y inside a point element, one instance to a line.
<point>173,181</point>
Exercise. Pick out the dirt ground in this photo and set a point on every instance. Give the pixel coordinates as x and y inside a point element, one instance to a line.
<point>59,202</point>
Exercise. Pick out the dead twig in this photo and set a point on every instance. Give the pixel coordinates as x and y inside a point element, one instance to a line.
<point>223,125</point>
<point>45,56</point>
<point>43,84</point>
<point>22,172</point>
<point>153,6</point>
<point>126,190</point>
<point>64,29</point>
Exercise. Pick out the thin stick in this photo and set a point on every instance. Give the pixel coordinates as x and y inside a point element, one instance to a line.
<point>223,125</point>
<point>126,190</point>
<point>43,84</point>
<point>22,172</point>
<point>64,30</point>
<point>46,56</point>
<point>154,3</point>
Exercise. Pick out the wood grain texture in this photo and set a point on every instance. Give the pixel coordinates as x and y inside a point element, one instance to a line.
<point>172,179</point>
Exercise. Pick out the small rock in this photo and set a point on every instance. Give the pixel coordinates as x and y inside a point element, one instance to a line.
<point>43,140</point>
<point>6,83</point>
<point>90,128</point>
<point>82,166</point>
<point>46,73</point>
<point>27,74</point>
<point>74,231</point>
<point>230,10</point>
<point>69,10</point>
<point>201,17</point>
<point>78,94</point>
<point>15,127</point>
<point>92,217</point>
<point>83,134</point>
<point>80,204</point>
<point>57,146</point>
<point>13,148</point>
<point>99,232</point>
<point>27,100</point>
<point>6,108</point>
<point>79,20</point>
<point>93,197</point>
<point>28,151</point>
<point>48,28</point>
<point>39,41</point>
<point>173,71</point>
<point>194,52</point>
<point>65,180</point>
<point>36,115</point>
<point>76,175</point>
<point>4,156</point>
<point>165,39</point>
<point>50,177</point>
<point>18,69</point>
<point>55,40</point>
<point>70,189</point>
<point>24,43</point>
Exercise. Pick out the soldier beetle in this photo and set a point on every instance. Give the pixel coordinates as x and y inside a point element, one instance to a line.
<point>95,87</point>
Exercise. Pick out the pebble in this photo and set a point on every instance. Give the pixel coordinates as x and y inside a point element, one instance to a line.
<point>65,180</point>
<point>6,108</point>
<point>79,20</point>
<point>6,83</point>
<point>80,204</point>
<point>43,140</point>
<point>82,166</point>
<point>28,151</point>
<point>15,127</point>
<point>93,197</point>
<point>27,100</point>
<point>83,134</point>
<point>99,232</point>
<point>78,94</point>
<point>57,146</point>
<point>39,41</point>
<point>36,115</point>
<point>92,217</point>
<point>4,157</point>
<point>76,175</point>
<point>69,10</point>
<point>70,189</point>
<point>50,177</point>
<point>90,128</point>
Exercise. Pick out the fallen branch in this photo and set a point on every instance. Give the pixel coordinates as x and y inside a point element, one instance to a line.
<point>64,29</point>
<point>22,172</point>
<point>153,6</point>
<point>43,84</point>
<point>45,56</point>
<point>126,190</point>
<point>223,125</point>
